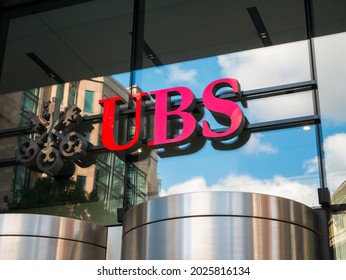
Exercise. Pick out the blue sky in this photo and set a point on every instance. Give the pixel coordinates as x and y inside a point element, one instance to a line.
<point>280,162</point>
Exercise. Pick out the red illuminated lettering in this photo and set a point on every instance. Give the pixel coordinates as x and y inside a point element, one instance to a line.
<point>162,114</point>
<point>226,112</point>
<point>110,121</point>
<point>176,123</point>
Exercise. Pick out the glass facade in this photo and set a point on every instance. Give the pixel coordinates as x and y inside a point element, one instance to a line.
<point>290,74</point>
<point>93,188</point>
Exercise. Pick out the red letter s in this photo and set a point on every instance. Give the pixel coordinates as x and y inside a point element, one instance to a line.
<point>226,112</point>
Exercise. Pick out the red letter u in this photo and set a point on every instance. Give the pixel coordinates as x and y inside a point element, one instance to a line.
<point>110,122</point>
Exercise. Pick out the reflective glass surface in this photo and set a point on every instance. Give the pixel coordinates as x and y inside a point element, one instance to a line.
<point>60,42</point>
<point>337,231</point>
<point>331,70</point>
<point>98,52</point>
<point>90,185</point>
<point>277,162</point>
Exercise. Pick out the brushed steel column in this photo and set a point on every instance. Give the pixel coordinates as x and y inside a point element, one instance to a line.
<point>220,225</point>
<point>43,237</point>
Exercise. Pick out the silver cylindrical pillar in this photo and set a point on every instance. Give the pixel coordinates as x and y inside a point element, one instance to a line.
<point>220,225</point>
<point>43,237</point>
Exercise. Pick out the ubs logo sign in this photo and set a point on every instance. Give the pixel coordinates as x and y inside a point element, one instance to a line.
<point>170,124</point>
<point>60,143</point>
<point>174,126</point>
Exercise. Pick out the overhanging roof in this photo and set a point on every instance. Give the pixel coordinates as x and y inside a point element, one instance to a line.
<point>93,38</point>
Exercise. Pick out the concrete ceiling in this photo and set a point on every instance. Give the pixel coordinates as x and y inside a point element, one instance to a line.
<point>93,38</point>
<point>12,3</point>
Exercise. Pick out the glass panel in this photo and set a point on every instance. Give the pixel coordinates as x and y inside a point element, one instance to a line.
<point>337,231</point>
<point>215,28</point>
<point>93,188</point>
<point>330,62</point>
<point>254,69</point>
<point>280,107</point>
<point>6,192</point>
<point>278,163</point>
<point>16,108</point>
<point>88,101</point>
<point>281,162</point>
<point>81,181</point>
<point>84,196</point>
<point>60,88</point>
<point>72,94</point>
<point>331,70</point>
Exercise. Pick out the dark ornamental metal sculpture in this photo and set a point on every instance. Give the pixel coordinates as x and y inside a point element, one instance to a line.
<point>61,142</point>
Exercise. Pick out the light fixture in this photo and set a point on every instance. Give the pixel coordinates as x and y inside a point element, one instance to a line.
<point>261,29</point>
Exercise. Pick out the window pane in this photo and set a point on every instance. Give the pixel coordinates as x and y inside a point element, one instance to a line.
<point>81,181</point>
<point>331,70</point>
<point>15,108</point>
<point>60,92</point>
<point>280,163</point>
<point>337,231</point>
<point>30,192</point>
<point>88,101</point>
<point>72,96</point>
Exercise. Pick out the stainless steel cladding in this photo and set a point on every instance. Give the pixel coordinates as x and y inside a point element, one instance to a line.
<point>43,237</point>
<point>220,225</point>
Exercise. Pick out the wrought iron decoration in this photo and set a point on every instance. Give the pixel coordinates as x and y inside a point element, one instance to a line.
<point>60,143</point>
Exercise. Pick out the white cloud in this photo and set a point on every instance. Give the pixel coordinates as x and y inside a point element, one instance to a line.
<point>335,151</point>
<point>281,107</point>
<point>331,70</point>
<point>255,145</point>
<point>289,63</point>
<point>269,66</point>
<point>193,185</point>
<point>335,160</point>
<point>278,186</point>
<point>311,166</point>
<point>277,65</point>
<point>177,74</point>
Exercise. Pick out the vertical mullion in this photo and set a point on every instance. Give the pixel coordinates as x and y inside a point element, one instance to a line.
<point>137,39</point>
<point>323,192</point>
<point>136,64</point>
<point>4,25</point>
<point>317,111</point>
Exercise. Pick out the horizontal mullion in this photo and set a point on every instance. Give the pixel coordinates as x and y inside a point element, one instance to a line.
<point>257,127</point>
<point>245,95</point>
<point>282,124</point>
<point>15,131</point>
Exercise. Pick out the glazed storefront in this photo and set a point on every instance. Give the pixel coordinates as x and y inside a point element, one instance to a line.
<point>128,128</point>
